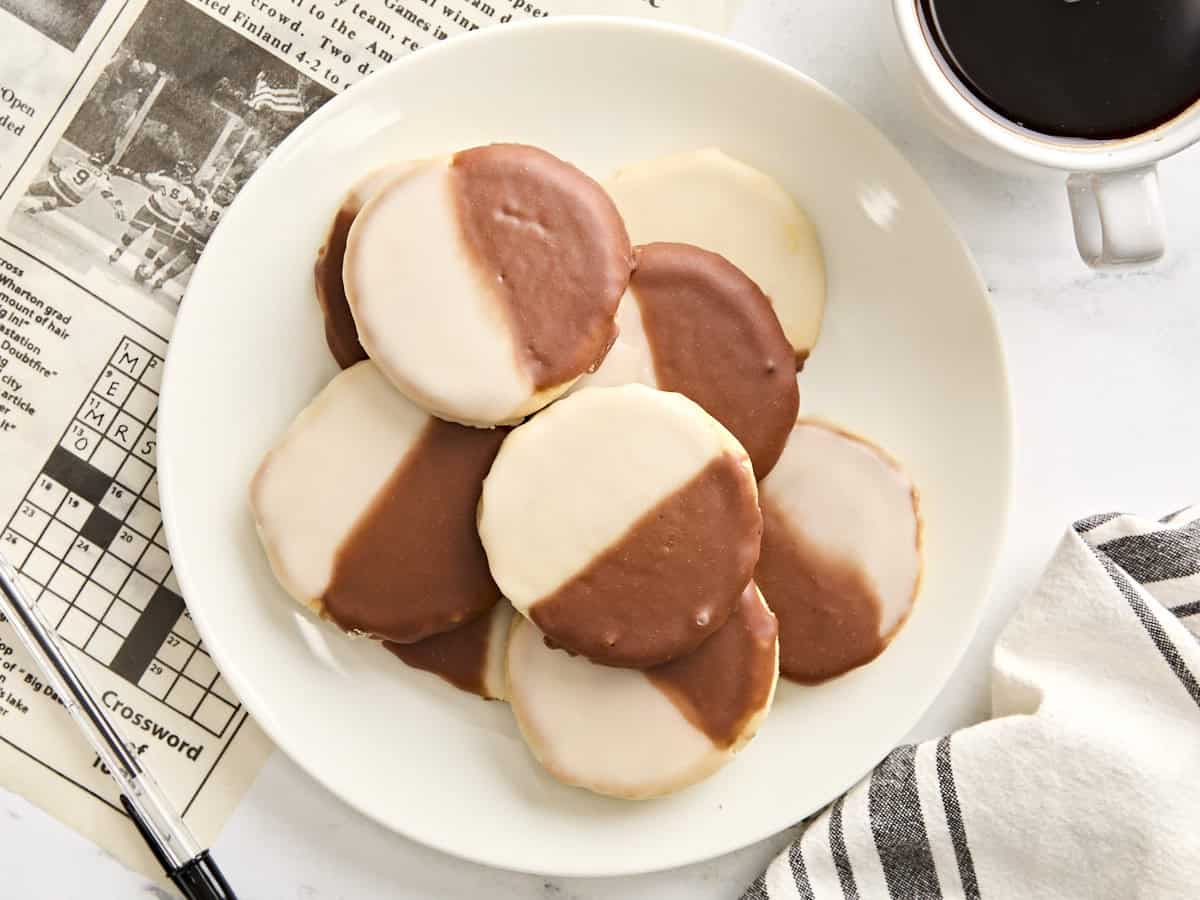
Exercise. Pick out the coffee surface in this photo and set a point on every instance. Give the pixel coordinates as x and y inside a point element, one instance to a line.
<point>1097,69</point>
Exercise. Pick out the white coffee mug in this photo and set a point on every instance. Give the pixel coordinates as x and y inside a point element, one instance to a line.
<point>1112,185</point>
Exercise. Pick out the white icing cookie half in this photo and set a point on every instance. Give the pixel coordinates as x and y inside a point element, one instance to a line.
<point>624,522</point>
<point>640,734</point>
<point>341,334</point>
<point>841,550</point>
<point>471,657</point>
<point>366,509</point>
<point>485,284</point>
<point>706,198</point>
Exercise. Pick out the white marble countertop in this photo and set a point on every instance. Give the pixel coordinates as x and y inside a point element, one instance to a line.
<point>1105,373</point>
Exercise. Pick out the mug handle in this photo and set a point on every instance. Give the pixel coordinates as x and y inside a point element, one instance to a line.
<point>1118,217</point>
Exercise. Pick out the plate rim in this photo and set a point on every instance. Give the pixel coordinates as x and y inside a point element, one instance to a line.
<point>721,44</point>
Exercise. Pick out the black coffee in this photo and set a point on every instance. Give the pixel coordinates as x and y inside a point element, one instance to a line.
<point>1096,69</point>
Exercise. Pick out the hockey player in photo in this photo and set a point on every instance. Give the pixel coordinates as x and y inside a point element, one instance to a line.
<point>172,127</point>
<point>192,234</point>
<point>171,195</point>
<point>69,183</point>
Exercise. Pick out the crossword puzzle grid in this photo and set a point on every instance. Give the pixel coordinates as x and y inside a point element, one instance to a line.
<point>88,541</point>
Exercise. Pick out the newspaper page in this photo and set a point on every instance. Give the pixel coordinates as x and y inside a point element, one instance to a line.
<point>126,129</point>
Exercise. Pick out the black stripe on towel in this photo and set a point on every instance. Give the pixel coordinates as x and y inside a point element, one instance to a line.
<point>1157,555</point>
<point>799,874</point>
<point>757,890</point>
<point>954,821</point>
<point>1094,521</point>
<point>1183,610</point>
<point>841,858</point>
<point>899,828</point>
<point>1153,627</point>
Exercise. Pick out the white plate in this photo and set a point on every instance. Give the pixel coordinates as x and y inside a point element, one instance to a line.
<point>909,355</point>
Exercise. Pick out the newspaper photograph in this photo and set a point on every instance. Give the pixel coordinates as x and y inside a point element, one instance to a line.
<point>127,127</point>
<point>160,146</point>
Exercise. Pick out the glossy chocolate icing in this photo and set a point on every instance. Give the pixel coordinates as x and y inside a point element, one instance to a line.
<point>341,334</point>
<point>669,582</point>
<point>413,565</point>
<point>829,614</point>
<point>714,337</point>
<point>548,241</point>
<point>459,656</point>
<point>724,683</point>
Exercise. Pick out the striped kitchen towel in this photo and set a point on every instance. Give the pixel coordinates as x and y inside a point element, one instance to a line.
<point>1086,781</point>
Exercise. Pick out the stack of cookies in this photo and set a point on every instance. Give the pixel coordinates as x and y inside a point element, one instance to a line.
<point>563,464</point>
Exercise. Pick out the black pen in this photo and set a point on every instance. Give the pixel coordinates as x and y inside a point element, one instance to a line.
<point>186,863</point>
